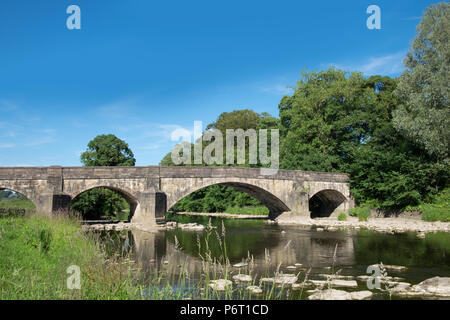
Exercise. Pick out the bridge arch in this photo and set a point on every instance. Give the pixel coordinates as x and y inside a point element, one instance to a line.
<point>126,194</point>
<point>275,205</point>
<point>325,203</point>
<point>22,193</point>
<point>18,189</point>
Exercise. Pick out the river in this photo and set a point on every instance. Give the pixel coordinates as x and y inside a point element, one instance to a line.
<point>268,248</point>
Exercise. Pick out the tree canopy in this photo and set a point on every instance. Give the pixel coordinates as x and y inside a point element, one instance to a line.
<point>107,150</point>
<point>423,89</point>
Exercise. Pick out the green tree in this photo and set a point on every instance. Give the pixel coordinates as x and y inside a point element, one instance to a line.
<point>423,89</point>
<point>103,150</point>
<point>107,150</point>
<point>324,119</point>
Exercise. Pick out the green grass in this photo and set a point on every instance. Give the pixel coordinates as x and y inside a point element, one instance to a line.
<point>362,213</point>
<point>342,216</point>
<point>259,210</point>
<point>439,209</point>
<point>36,252</point>
<point>434,213</point>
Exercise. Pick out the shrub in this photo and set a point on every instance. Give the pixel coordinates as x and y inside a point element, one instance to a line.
<point>439,210</point>
<point>45,238</point>
<point>361,212</point>
<point>342,216</point>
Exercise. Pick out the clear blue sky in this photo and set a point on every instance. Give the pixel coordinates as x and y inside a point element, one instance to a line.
<point>140,69</point>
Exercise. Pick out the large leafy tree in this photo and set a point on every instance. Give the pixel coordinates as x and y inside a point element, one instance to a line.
<point>107,150</point>
<point>103,150</point>
<point>324,119</point>
<point>388,170</point>
<point>423,89</point>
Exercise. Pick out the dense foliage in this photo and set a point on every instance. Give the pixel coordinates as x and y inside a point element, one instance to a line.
<point>342,122</point>
<point>423,89</point>
<point>215,198</point>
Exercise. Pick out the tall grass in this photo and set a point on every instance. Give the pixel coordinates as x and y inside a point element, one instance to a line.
<point>362,213</point>
<point>439,209</point>
<point>36,251</point>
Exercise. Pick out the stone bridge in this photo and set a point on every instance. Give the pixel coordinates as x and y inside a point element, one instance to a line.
<point>152,190</point>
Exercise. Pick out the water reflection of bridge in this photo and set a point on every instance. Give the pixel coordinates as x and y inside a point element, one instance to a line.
<point>312,249</point>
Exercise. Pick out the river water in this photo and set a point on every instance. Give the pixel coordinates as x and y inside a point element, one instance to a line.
<point>271,248</point>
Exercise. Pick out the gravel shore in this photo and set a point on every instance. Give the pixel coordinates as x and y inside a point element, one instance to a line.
<point>388,225</point>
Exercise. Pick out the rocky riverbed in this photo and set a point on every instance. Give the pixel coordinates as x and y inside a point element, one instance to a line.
<point>338,289</point>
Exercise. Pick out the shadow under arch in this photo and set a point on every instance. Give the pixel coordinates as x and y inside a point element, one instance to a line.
<point>129,198</point>
<point>273,203</point>
<point>323,203</point>
<point>17,200</point>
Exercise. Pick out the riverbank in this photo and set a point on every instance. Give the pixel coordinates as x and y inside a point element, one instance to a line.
<point>224,215</point>
<point>386,225</point>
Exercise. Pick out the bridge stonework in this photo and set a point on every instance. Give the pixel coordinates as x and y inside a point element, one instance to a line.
<point>152,190</point>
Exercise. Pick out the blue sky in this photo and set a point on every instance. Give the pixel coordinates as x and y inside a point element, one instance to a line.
<point>141,69</point>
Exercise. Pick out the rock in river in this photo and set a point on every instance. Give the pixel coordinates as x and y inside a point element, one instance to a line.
<point>433,287</point>
<point>242,278</point>
<point>254,289</point>
<point>283,279</point>
<point>220,284</point>
<point>333,294</point>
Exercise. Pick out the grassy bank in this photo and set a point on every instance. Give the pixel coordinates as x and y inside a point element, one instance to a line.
<point>438,209</point>
<point>17,203</point>
<point>36,251</point>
